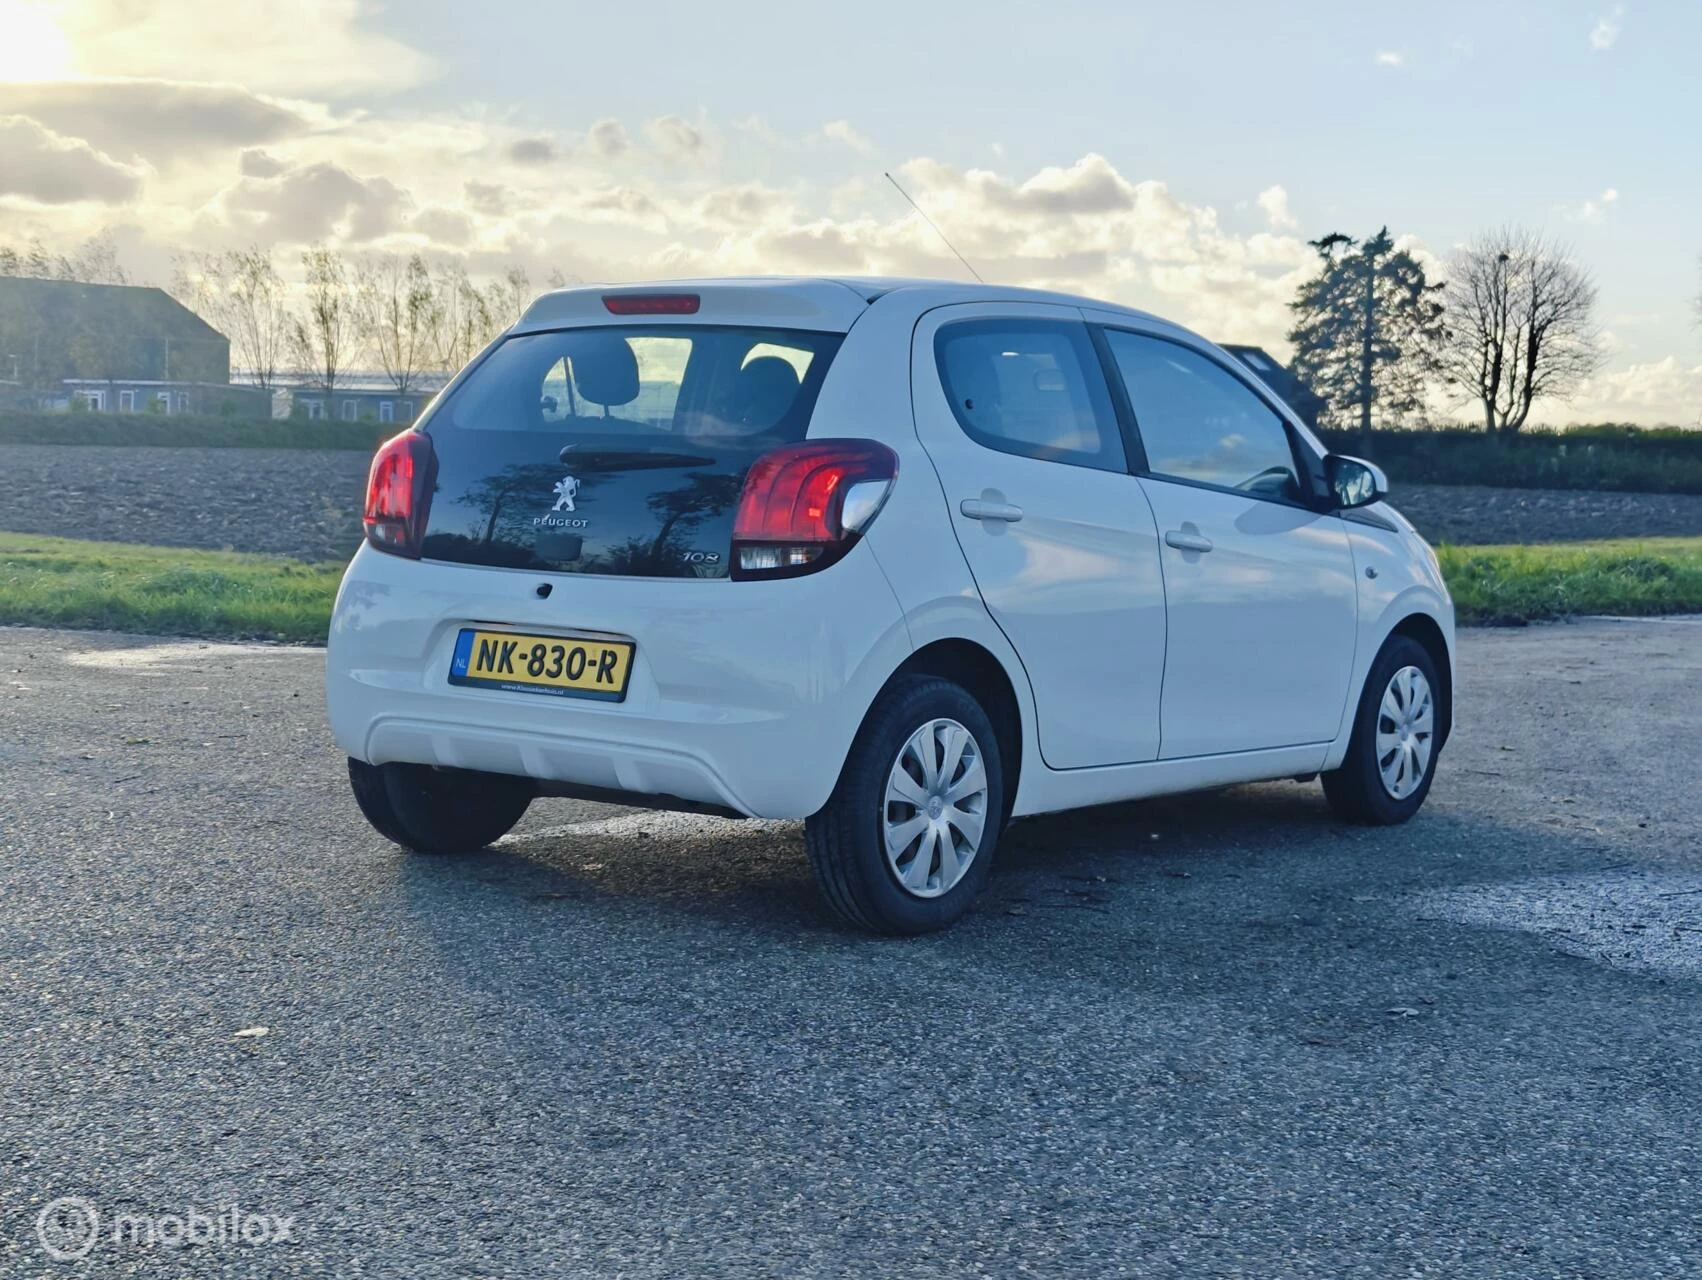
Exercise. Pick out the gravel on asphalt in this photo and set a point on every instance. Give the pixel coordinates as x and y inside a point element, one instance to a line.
<point>307,503</point>
<point>1207,1036</point>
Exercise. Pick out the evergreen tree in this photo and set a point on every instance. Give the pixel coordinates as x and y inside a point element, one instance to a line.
<point>1366,331</point>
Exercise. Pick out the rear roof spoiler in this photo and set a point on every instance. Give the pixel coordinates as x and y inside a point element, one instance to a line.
<point>824,305</point>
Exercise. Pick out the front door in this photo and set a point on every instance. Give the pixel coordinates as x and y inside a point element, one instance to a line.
<point>1012,406</point>
<point>1262,602</point>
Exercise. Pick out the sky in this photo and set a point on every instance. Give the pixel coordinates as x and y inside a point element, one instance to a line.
<point>1176,157</point>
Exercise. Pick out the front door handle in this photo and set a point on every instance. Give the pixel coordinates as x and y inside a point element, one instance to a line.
<point>980,509</point>
<point>1187,541</point>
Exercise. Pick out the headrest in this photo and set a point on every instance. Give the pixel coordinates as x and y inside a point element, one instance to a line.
<point>767,386</point>
<point>604,369</point>
<point>976,385</point>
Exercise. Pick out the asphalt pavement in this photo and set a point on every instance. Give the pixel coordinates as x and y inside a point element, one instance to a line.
<point>1219,1035</point>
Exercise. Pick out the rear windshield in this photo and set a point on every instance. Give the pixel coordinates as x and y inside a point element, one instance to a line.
<point>665,384</point>
<point>615,450</point>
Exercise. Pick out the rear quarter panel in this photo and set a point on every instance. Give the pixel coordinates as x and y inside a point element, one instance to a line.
<point>869,393</point>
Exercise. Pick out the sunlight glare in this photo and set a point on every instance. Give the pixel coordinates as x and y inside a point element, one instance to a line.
<point>34,47</point>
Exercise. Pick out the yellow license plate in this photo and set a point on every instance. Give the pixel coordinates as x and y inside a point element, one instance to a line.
<point>567,667</point>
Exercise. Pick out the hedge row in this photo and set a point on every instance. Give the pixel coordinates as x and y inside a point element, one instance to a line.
<point>187,431</point>
<point>1631,459</point>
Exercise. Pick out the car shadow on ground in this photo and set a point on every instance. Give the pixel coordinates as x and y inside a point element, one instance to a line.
<point>1271,853</point>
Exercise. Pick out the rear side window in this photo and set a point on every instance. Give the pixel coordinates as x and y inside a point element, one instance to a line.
<point>1030,387</point>
<point>1199,422</point>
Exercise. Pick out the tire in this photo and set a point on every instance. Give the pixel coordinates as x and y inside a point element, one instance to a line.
<point>432,810</point>
<point>1358,790</point>
<point>847,838</point>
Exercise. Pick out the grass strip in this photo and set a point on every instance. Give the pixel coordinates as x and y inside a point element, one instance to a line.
<point>58,582</point>
<point>1514,584</point>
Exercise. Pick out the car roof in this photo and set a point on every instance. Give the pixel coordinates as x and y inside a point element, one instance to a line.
<point>819,298</point>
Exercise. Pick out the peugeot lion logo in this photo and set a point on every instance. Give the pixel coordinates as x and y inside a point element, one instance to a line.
<point>567,488</point>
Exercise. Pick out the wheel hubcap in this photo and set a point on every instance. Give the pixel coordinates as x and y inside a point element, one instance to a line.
<point>936,808</point>
<point>1406,726</point>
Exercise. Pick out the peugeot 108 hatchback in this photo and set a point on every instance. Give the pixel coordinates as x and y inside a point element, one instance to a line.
<point>904,559</point>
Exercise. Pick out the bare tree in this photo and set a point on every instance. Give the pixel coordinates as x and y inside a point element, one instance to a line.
<point>465,322</point>
<point>401,314</point>
<point>325,338</point>
<point>1520,325</point>
<point>96,262</point>
<point>509,296</point>
<point>241,294</point>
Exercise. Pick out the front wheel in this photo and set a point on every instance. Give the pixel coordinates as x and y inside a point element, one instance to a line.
<point>1391,756</point>
<point>905,843</point>
<point>433,810</point>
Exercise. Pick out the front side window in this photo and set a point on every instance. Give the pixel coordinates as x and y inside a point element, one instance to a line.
<point>1199,422</point>
<point>1030,387</point>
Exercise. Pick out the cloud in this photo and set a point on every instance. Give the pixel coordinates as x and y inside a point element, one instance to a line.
<point>1082,227</point>
<point>44,166</point>
<point>841,131</point>
<point>623,206</point>
<point>1091,185</point>
<point>1593,210</point>
<point>442,226</point>
<point>158,120</point>
<point>605,140</point>
<point>743,207</point>
<point>255,163</point>
<point>608,138</point>
<point>676,138</point>
<point>532,151</point>
<point>1274,201</point>
<point>1666,391</point>
<point>1391,58</point>
<point>1605,33</point>
<point>316,202</point>
<point>489,198</point>
<point>320,46</point>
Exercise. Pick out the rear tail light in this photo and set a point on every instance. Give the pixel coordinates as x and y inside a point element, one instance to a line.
<point>651,304</point>
<point>804,506</point>
<point>398,493</point>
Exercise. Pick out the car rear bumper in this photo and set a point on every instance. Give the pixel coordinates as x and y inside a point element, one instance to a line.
<point>743,695</point>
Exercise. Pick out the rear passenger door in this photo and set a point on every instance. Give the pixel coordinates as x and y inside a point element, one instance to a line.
<point>1014,410</point>
<point>1262,609</point>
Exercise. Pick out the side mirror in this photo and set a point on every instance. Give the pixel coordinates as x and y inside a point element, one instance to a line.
<point>1355,482</point>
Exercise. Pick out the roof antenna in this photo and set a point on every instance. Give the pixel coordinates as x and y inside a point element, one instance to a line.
<point>942,235</point>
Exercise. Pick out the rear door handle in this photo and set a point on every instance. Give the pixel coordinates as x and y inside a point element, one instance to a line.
<point>980,509</point>
<point>1187,541</point>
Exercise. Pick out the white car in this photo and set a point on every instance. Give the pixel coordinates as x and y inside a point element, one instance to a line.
<point>905,559</point>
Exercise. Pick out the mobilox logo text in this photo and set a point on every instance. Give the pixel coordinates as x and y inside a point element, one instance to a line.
<point>72,1227</point>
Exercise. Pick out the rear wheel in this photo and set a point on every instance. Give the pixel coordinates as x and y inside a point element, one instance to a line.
<point>906,841</point>
<point>433,810</point>
<point>1391,757</point>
